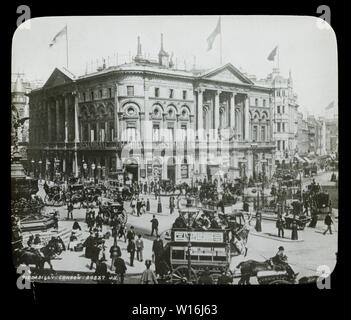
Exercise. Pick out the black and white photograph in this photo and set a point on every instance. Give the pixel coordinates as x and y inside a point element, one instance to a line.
<point>175,149</point>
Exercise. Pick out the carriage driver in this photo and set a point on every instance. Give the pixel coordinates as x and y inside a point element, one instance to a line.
<point>280,260</point>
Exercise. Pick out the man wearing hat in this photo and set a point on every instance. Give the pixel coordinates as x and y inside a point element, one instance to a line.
<point>280,260</point>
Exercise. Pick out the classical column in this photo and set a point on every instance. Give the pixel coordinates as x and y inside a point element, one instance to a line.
<point>66,119</point>
<point>232,110</point>
<point>246,119</point>
<point>216,110</point>
<point>200,116</point>
<point>48,106</point>
<point>76,122</point>
<point>58,136</point>
<point>116,117</point>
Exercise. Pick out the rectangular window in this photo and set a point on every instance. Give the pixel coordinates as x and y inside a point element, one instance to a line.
<point>254,138</point>
<point>156,132</point>
<point>184,94</point>
<point>102,135</point>
<point>171,93</point>
<point>110,92</point>
<point>283,145</point>
<point>100,93</point>
<point>157,92</point>
<point>278,145</point>
<point>130,91</point>
<point>283,127</point>
<point>278,109</point>
<point>131,133</point>
<point>283,109</point>
<point>278,127</point>
<point>92,95</point>
<point>170,133</point>
<point>264,102</point>
<point>92,135</point>
<point>183,135</point>
<point>84,97</point>
<point>263,133</point>
<point>256,102</point>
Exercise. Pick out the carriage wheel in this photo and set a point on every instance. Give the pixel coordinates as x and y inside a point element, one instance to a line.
<point>181,273</point>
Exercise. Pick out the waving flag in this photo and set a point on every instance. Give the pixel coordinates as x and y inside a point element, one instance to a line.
<point>58,35</point>
<point>330,106</point>
<point>214,34</point>
<point>273,54</point>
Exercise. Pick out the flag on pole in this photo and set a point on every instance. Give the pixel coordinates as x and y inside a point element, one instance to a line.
<point>214,34</point>
<point>59,34</point>
<point>272,54</point>
<point>330,106</point>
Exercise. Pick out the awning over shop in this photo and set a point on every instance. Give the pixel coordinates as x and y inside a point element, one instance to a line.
<point>308,160</point>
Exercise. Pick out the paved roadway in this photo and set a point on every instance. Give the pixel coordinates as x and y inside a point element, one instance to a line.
<point>305,255</point>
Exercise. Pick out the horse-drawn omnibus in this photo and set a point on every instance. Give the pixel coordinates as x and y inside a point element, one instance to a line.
<point>209,250</point>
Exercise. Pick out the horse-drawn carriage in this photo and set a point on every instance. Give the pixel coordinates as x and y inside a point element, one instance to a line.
<point>114,213</point>
<point>215,239</point>
<point>209,250</point>
<point>54,196</point>
<point>76,194</point>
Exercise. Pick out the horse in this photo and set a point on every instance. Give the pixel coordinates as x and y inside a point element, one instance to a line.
<point>29,256</point>
<point>250,268</point>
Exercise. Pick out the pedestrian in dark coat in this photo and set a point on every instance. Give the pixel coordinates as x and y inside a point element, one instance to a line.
<point>154,225</point>
<point>328,222</point>
<point>131,234</point>
<point>148,205</point>
<point>171,205</point>
<point>88,244</point>
<point>138,205</point>
<point>280,226</point>
<point>157,248</point>
<point>121,268</point>
<point>131,249</point>
<point>76,226</point>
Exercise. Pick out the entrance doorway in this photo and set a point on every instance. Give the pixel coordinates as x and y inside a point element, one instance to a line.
<point>171,172</point>
<point>131,173</point>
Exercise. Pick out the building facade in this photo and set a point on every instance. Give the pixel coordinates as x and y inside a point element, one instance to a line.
<point>332,136</point>
<point>303,140</point>
<point>146,120</point>
<point>285,116</point>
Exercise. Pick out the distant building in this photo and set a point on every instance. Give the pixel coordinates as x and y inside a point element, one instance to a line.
<point>20,88</point>
<point>332,135</point>
<point>285,116</point>
<point>303,141</point>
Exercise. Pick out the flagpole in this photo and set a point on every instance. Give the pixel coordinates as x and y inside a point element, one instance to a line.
<point>66,47</point>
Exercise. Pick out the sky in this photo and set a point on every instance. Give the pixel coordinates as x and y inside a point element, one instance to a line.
<point>306,47</point>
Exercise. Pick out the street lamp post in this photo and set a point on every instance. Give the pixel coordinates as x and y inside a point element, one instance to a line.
<point>189,214</point>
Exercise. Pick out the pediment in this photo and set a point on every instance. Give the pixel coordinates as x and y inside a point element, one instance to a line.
<point>58,78</point>
<point>227,73</point>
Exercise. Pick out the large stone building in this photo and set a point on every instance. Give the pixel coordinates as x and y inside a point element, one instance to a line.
<point>332,136</point>
<point>148,120</point>
<point>285,116</point>
<point>20,106</point>
<point>303,140</point>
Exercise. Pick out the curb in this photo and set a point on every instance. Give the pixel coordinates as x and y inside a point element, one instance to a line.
<point>276,238</point>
